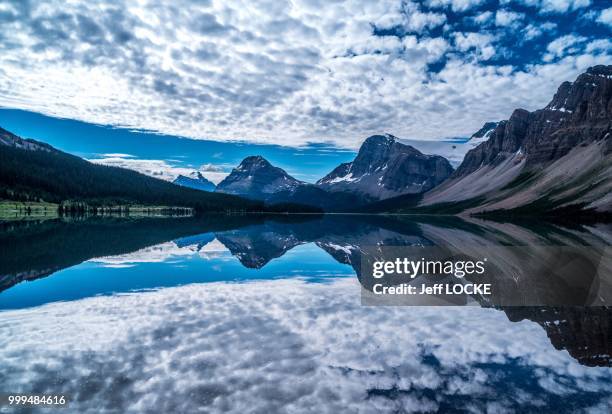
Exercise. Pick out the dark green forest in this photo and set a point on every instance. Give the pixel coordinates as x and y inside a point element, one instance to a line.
<point>42,173</point>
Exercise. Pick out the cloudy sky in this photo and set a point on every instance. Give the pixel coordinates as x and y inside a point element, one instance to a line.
<point>295,73</point>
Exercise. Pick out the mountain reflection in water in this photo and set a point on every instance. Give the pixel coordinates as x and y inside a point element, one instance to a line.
<point>72,261</point>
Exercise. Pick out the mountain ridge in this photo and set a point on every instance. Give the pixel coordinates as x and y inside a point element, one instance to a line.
<point>198,182</point>
<point>383,168</point>
<point>255,177</point>
<point>555,157</point>
<point>34,171</point>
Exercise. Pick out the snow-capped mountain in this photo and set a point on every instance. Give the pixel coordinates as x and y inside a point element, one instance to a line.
<point>482,135</point>
<point>256,178</point>
<point>384,168</point>
<point>195,180</point>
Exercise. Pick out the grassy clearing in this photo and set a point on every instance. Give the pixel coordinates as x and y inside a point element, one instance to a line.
<point>16,209</point>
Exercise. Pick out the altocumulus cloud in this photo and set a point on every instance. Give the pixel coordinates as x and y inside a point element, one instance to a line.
<point>154,168</point>
<point>162,169</point>
<point>289,73</point>
<point>287,346</point>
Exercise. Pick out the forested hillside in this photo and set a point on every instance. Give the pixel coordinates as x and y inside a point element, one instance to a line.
<point>34,171</point>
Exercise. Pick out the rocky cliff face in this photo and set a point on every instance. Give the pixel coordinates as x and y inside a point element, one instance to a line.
<point>256,178</point>
<point>504,141</point>
<point>558,155</point>
<point>196,181</point>
<point>387,168</point>
<point>580,113</point>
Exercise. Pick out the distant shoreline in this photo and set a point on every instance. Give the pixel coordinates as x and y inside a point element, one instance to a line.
<point>42,210</point>
<point>18,210</point>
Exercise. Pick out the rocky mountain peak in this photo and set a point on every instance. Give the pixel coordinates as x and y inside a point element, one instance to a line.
<point>483,134</point>
<point>197,175</point>
<point>560,98</point>
<point>486,130</point>
<point>255,177</point>
<point>253,162</point>
<point>195,180</point>
<point>376,151</point>
<point>384,167</point>
<point>600,70</point>
<point>586,98</point>
<point>374,141</point>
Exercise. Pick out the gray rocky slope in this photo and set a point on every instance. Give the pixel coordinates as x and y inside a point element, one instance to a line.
<point>558,156</point>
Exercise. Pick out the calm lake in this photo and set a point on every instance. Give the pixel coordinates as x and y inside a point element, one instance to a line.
<point>264,314</point>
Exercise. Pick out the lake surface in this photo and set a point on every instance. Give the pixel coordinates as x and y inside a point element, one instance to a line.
<point>264,314</point>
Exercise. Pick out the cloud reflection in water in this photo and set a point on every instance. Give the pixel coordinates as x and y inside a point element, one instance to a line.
<point>291,346</point>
